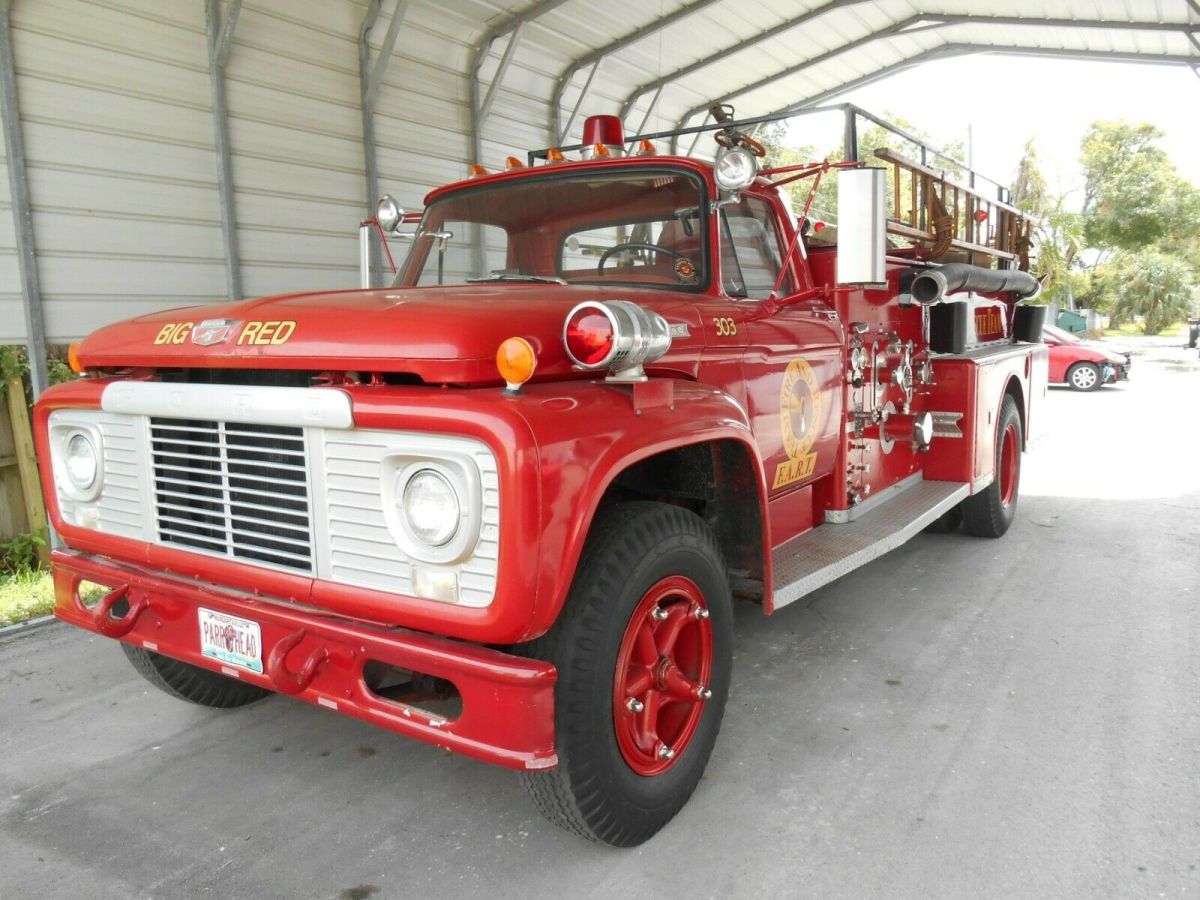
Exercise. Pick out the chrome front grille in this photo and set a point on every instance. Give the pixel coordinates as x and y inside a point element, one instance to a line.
<point>233,489</point>
<point>276,477</point>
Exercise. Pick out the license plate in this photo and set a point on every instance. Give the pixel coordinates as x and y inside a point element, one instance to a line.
<point>231,640</point>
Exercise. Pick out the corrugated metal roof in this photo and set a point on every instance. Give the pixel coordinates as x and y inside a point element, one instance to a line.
<point>766,56</point>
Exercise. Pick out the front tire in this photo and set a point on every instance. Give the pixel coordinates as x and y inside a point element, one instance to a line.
<point>1084,376</point>
<point>644,651</point>
<point>187,682</point>
<point>991,511</point>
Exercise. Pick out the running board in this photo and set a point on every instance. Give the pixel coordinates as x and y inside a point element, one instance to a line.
<point>829,551</point>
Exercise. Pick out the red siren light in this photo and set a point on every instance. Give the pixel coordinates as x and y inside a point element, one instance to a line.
<point>590,335</point>
<point>603,130</point>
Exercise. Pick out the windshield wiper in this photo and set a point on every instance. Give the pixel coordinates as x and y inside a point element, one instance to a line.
<point>515,276</point>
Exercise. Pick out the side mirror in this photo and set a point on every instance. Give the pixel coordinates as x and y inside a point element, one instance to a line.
<point>862,226</point>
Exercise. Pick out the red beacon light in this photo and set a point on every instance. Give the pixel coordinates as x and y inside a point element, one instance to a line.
<point>588,335</point>
<point>617,335</point>
<point>603,136</point>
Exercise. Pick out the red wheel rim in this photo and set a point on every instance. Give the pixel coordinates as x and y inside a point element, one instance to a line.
<point>662,675</point>
<point>1008,465</point>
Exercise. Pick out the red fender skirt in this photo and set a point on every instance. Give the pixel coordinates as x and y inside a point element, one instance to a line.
<point>507,713</point>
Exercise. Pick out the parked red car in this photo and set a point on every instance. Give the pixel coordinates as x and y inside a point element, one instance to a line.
<point>1080,365</point>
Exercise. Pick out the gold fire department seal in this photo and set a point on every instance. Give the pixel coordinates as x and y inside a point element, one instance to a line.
<point>799,421</point>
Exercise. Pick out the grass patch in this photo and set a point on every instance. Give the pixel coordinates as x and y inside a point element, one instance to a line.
<point>1129,329</point>
<point>25,596</point>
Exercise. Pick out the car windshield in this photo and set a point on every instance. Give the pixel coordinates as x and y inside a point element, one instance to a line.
<point>636,226</point>
<point>1063,337</point>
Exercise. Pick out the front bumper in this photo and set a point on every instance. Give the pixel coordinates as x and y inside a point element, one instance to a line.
<point>507,715</point>
<point>1114,372</point>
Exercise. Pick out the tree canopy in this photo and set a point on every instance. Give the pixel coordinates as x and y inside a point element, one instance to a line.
<point>1139,226</point>
<point>1132,196</point>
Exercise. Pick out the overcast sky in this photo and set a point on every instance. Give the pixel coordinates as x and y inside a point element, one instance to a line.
<point>1009,99</point>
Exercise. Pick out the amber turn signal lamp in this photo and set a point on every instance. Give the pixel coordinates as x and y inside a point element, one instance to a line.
<point>513,163</point>
<point>73,359</point>
<point>516,361</point>
<point>647,148</point>
<point>475,170</point>
<point>554,155</point>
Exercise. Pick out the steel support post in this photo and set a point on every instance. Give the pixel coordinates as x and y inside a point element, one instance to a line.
<point>659,83</point>
<point>481,105</point>
<point>594,58</point>
<point>220,42</point>
<point>368,131</point>
<point>370,77</point>
<point>587,86</point>
<point>22,209</point>
<point>850,136</point>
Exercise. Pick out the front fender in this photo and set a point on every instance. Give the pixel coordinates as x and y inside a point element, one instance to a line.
<point>587,433</point>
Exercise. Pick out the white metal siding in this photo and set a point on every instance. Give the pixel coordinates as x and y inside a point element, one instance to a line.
<point>118,134</point>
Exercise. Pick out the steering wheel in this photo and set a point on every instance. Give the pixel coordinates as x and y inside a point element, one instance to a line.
<point>738,139</point>
<point>633,245</point>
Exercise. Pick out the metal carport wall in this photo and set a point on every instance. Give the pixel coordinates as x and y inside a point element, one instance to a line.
<point>183,152</point>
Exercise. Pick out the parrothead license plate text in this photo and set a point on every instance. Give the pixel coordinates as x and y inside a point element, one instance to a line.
<point>231,640</point>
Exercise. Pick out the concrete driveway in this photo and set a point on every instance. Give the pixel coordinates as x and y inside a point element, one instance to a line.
<point>963,718</point>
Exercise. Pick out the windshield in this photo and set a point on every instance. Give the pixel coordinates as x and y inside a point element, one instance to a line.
<point>643,227</point>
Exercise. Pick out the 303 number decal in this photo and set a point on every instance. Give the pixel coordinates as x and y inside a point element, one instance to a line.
<point>725,326</point>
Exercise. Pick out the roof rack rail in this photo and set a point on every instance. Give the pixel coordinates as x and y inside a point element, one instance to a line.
<point>851,113</point>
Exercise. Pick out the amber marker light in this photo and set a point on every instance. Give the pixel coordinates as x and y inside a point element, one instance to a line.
<point>475,170</point>
<point>73,359</point>
<point>647,148</point>
<point>516,361</point>
<point>513,163</point>
<point>554,155</point>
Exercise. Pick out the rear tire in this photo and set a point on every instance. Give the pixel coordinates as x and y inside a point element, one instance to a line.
<point>1084,376</point>
<point>187,682</point>
<point>633,727</point>
<point>991,511</point>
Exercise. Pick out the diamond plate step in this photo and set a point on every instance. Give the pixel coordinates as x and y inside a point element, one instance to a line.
<point>829,551</point>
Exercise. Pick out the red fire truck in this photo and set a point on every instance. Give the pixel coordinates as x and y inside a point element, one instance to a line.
<point>504,505</point>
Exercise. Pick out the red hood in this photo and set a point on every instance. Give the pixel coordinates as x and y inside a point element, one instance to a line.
<point>442,335</point>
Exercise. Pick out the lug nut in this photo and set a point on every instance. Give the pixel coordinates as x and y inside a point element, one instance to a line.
<point>665,752</point>
<point>658,614</point>
<point>701,613</point>
<point>703,693</point>
<point>634,705</point>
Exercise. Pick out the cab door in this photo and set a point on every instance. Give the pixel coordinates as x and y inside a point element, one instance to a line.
<point>792,357</point>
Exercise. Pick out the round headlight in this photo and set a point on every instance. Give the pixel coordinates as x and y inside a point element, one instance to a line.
<point>82,463</point>
<point>735,168</point>
<point>388,213</point>
<point>431,507</point>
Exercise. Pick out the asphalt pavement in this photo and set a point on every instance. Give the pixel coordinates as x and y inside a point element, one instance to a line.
<point>962,718</point>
